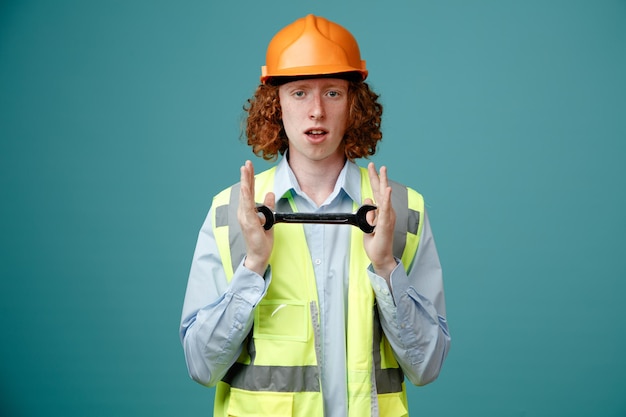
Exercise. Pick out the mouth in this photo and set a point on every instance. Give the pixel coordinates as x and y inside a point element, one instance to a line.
<point>316,133</point>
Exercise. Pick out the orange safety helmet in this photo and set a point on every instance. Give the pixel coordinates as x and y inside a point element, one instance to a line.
<point>312,46</point>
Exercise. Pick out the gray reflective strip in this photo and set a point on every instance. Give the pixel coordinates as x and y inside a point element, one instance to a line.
<point>317,334</point>
<point>390,379</point>
<point>226,215</point>
<point>273,378</point>
<point>400,203</point>
<point>221,216</point>
<point>413,221</point>
<point>277,378</point>
<point>235,237</point>
<point>407,219</point>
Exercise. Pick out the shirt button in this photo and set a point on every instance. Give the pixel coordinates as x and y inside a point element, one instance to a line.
<point>318,262</point>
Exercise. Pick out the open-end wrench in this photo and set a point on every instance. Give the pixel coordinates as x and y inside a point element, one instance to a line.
<point>358,219</point>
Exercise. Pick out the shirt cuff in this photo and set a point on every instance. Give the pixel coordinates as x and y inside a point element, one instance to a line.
<point>382,291</point>
<point>399,284</point>
<point>249,285</point>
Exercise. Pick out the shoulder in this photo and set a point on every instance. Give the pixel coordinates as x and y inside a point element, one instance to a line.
<point>406,194</point>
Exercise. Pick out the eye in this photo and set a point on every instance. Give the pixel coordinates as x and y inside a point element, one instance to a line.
<point>298,93</point>
<point>333,93</point>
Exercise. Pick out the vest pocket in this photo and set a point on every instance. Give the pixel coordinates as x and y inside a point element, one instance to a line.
<point>260,404</point>
<point>391,405</point>
<point>282,320</point>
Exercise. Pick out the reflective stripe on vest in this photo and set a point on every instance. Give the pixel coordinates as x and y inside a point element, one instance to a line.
<point>281,354</point>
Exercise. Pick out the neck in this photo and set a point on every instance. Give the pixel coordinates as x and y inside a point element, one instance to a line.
<point>317,179</point>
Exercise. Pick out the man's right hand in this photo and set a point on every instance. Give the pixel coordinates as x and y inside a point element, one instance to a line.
<point>259,242</point>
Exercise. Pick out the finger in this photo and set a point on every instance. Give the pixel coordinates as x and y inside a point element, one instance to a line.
<point>270,200</point>
<point>374,180</point>
<point>384,182</point>
<point>386,215</point>
<point>248,174</point>
<point>385,201</point>
<point>246,190</point>
<point>382,203</point>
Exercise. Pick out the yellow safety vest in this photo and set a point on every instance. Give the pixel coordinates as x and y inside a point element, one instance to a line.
<point>277,373</point>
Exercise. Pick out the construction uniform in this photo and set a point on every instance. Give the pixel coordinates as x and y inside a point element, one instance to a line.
<point>304,340</point>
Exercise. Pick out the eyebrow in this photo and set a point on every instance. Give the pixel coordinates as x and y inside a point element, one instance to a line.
<point>328,84</point>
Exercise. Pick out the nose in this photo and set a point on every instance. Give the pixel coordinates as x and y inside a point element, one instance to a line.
<point>317,108</point>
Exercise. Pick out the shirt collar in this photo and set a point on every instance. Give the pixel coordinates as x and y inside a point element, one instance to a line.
<point>349,180</point>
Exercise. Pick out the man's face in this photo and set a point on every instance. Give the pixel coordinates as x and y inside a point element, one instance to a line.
<point>315,116</point>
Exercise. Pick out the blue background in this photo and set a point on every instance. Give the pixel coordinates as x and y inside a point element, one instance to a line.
<point>120,119</point>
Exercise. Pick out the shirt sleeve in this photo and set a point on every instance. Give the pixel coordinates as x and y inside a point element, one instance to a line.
<point>217,315</point>
<point>413,312</point>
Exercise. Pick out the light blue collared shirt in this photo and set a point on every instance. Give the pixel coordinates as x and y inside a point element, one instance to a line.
<point>217,315</point>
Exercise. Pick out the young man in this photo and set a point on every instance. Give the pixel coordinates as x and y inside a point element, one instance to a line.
<point>314,319</point>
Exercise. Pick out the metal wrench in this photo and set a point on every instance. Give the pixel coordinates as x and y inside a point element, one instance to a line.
<point>358,219</point>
